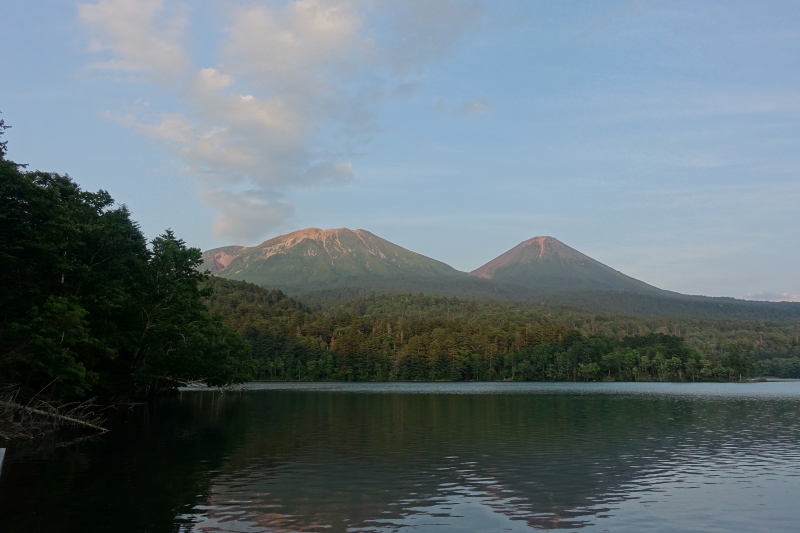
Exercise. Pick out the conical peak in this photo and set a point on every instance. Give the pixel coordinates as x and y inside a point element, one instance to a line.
<point>314,257</point>
<point>545,244</point>
<point>533,250</point>
<point>548,246</point>
<point>541,239</point>
<point>544,241</point>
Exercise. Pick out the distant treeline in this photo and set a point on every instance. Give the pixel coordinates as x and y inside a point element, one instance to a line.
<point>608,302</point>
<point>417,337</point>
<point>775,346</point>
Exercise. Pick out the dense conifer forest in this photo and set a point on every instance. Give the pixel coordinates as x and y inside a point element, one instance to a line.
<point>418,337</point>
<point>89,307</point>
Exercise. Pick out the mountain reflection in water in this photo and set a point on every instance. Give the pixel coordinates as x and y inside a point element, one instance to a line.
<point>429,456</point>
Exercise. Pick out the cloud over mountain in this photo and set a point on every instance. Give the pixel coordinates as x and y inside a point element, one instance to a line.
<point>294,94</point>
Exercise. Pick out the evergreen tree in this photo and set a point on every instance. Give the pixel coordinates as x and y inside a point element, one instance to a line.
<point>87,306</point>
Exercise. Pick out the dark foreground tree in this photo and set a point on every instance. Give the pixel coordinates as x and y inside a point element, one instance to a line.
<point>87,307</point>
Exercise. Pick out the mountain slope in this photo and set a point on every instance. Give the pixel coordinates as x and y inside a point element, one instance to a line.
<point>547,271</point>
<point>547,264</point>
<point>328,266</point>
<point>313,259</point>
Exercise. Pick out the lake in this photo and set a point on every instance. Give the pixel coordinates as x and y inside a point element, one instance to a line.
<point>426,457</point>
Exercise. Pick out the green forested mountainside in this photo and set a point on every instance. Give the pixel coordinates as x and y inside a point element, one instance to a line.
<point>88,306</point>
<point>675,305</point>
<point>338,265</point>
<point>603,301</point>
<point>314,258</point>
<point>417,337</point>
<point>765,339</point>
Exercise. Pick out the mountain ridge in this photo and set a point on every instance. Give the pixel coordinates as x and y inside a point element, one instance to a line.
<point>338,264</point>
<point>314,257</point>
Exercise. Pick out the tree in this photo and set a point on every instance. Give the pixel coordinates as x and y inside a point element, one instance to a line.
<point>87,307</point>
<point>180,342</point>
<point>3,144</point>
<point>739,362</point>
<point>61,249</point>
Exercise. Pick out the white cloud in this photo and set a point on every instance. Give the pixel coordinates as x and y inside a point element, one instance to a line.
<point>245,214</point>
<point>139,35</point>
<point>299,50</point>
<point>772,297</point>
<point>294,94</point>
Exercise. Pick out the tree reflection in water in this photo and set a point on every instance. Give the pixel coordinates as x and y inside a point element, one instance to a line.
<point>292,460</point>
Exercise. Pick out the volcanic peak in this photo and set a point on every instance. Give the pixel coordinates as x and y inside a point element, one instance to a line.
<point>533,250</point>
<point>354,250</point>
<point>338,240</point>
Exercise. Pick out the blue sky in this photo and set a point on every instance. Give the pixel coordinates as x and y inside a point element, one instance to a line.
<point>661,138</point>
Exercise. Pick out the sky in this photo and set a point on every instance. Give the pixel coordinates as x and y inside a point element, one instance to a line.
<point>660,138</point>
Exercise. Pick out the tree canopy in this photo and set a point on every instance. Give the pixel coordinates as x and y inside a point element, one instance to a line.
<point>89,306</point>
<point>418,337</point>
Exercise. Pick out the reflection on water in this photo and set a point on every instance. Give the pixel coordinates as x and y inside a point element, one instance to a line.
<point>389,457</point>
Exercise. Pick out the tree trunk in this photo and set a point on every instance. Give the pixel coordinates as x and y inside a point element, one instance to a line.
<point>69,419</point>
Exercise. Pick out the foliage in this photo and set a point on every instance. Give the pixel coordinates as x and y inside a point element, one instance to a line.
<point>619,303</point>
<point>87,306</point>
<point>417,337</point>
<point>3,144</point>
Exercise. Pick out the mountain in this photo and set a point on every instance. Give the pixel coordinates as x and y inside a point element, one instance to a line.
<point>547,264</point>
<point>547,271</point>
<point>315,259</point>
<point>337,265</point>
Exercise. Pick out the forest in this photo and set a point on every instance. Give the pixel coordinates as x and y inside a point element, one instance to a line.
<point>90,307</point>
<point>419,337</point>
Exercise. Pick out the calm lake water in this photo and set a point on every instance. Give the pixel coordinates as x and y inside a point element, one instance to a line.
<point>427,457</point>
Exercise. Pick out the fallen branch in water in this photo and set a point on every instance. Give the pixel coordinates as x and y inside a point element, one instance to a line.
<point>57,416</point>
<point>39,418</point>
